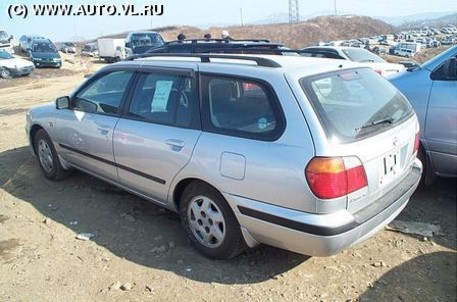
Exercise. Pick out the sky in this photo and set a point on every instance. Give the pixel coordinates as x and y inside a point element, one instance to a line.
<point>200,13</point>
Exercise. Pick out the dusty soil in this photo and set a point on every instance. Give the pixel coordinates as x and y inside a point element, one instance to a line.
<point>140,253</point>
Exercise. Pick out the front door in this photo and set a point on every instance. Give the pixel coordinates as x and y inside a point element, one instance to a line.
<point>86,138</point>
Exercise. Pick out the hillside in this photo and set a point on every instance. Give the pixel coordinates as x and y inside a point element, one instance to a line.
<point>296,35</point>
<point>438,22</point>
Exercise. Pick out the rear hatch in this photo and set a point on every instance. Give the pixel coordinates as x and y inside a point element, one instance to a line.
<point>366,123</point>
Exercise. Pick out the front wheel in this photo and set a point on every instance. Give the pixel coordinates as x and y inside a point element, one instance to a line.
<point>210,223</point>
<point>47,157</point>
<point>5,73</point>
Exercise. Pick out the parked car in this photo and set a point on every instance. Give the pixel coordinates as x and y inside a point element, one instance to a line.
<point>90,50</point>
<point>359,55</point>
<point>6,41</point>
<point>219,46</point>
<point>44,54</point>
<point>12,67</point>
<point>25,42</point>
<point>139,42</point>
<point>432,90</point>
<point>309,155</point>
<point>68,47</point>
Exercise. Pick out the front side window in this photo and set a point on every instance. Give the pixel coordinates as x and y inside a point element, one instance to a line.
<point>167,99</point>
<point>104,95</point>
<point>241,107</point>
<point>354,104</point>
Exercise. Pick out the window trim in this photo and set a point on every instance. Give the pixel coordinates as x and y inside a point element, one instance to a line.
<point>273,99</point>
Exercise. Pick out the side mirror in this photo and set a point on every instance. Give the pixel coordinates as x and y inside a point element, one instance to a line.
<point>10,38</point>
<point>128,45</point>
<point>63,102</point>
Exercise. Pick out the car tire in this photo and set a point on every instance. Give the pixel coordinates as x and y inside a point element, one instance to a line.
<point>5,73</point>
<point>47,157</point>
<point>209,222</point>
<point>428,177</point>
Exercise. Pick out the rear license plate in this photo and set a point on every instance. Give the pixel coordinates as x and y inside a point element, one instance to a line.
<point>389,167</point>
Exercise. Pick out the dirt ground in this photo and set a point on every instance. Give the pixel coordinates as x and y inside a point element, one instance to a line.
<point>139,251</point>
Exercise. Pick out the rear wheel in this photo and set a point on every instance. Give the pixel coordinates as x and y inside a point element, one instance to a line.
<point>47,157</point>
<point>210,223</point>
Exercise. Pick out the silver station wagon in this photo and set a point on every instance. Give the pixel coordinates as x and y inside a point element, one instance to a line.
<point>305,154</point>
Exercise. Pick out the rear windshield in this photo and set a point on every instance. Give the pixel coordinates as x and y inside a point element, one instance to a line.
<point>362,55</point>
<point>354,104</point>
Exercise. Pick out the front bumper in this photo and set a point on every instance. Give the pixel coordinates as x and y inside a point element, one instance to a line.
<point>22,70</point>
<point>320,234</point>
<point>47,63</point>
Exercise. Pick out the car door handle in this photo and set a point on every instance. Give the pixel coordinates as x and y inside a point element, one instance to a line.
<point>103,130</point>
<point>175,143</point>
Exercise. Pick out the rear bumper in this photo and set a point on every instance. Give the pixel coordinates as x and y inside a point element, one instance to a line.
<point>321,234</point>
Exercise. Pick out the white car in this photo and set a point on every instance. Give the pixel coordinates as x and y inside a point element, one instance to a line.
<point>359,55</point>
<point>11,66</point>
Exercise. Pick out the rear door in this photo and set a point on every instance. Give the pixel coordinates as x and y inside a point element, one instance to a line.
<point>157,134</point>
<point>364,118</point>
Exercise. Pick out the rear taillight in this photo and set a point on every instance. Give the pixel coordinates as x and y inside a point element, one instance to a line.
<point>332,177</point>
<point>379,71</point>
<point>416,143</point>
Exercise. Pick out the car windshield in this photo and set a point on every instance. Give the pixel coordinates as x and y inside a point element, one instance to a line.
<point>3,36</point>
<point>69,44</point>
<point>5,55</point>
<point>146,40</point>
<point>361,55</point>
<point>43,47</point>
<point>354,104</point>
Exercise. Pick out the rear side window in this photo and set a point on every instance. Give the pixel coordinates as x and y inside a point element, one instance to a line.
<point>355,104</point>
<point>167,99</point>
<point>241,107</point>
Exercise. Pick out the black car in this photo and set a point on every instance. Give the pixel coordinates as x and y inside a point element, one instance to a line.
<point>221,46</point>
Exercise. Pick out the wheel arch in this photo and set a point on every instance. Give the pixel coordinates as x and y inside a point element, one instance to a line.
<point>33,131</point>
<point>182,185</point>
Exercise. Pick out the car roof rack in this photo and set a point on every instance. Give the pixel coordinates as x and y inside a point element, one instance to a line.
<point>253,50</point>
<point>227,41</point>
<point>206,58</point>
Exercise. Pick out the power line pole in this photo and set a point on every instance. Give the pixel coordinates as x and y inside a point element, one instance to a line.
<point>334,6</point>
<point>241,16</point>
<point>294,12</point>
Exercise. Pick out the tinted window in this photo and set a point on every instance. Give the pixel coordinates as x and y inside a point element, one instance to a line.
<point>104,95</point>
<point>353,104</point>
<point>164,99</point>
<point>43,47</point>
<point>241,107</point>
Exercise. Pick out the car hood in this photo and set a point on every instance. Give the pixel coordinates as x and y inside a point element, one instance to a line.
<point>45,55</point>
<point>16,63</point>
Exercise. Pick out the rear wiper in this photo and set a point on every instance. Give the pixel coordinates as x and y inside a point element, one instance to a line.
<point>387,120</point>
